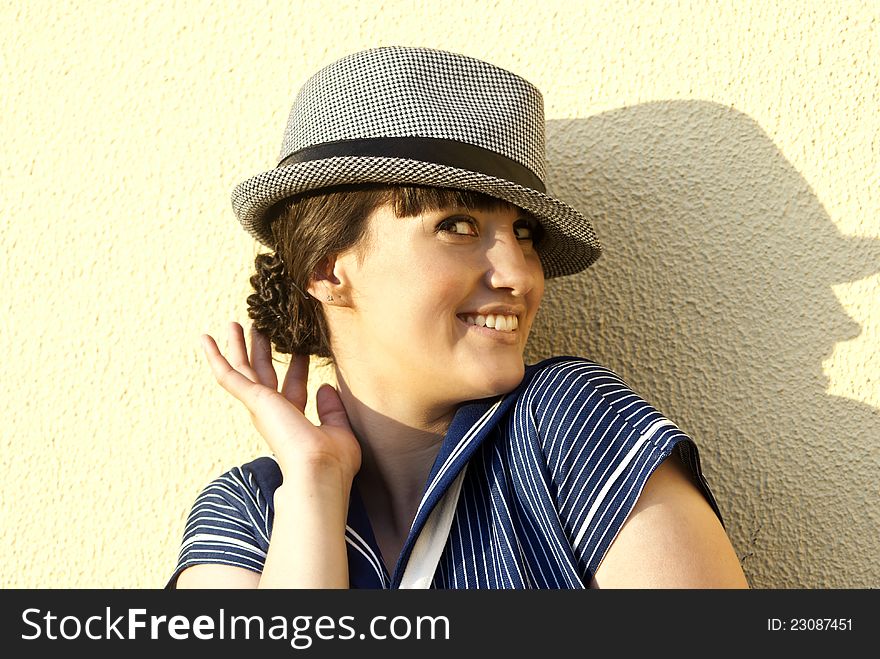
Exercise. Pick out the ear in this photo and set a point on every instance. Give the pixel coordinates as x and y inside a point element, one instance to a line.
<point>329,282</point>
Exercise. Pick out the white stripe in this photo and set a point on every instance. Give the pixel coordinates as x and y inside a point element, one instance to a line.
<point>364,548</point>
<point>536,494</point>
<point>236,477</point>
<point>221,561</point>
<point>378,570</point>
<point>507,547</point>
<point>206,527</point>
<point>605,528</point>
<point>600,498</point>
<point>222,540</point>
<point>590,461</point>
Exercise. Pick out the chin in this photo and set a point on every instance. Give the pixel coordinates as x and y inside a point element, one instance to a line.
<point>499,380</point>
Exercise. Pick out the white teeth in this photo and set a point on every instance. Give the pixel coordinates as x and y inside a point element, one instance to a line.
<point>498,322</point>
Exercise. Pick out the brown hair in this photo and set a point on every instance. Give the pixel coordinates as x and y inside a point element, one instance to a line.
<point>312,226</point>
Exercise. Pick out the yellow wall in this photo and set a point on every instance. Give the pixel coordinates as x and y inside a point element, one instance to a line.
<point>729,152</point>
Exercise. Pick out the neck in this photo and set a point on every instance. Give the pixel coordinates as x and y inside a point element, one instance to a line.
<point>400,439</point>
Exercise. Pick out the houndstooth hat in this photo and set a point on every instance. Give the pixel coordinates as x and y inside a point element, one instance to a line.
<point>399,115</point>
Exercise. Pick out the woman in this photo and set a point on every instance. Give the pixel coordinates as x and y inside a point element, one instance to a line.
<point>411,237</point>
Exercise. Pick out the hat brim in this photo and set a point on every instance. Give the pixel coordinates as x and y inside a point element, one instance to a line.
<point>569,244</point>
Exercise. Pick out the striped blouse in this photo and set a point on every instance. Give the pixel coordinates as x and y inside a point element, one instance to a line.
<point>553,470</point>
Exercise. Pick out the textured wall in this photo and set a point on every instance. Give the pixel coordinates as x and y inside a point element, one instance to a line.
<point>729,155</point>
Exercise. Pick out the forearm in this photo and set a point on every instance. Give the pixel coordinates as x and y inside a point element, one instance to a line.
<point>307,546</point>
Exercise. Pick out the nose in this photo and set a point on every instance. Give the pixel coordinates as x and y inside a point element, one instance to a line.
<point>510,267</point>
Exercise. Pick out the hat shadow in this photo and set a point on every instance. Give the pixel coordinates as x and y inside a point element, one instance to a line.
<point>713,300</point>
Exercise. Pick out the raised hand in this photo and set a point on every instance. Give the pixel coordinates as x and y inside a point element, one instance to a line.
<point>279,415</point>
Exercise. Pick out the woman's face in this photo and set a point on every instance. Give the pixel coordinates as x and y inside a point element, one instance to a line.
<point>439,306</point>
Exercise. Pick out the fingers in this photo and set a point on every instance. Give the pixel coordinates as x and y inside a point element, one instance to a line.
<point>296,381</point>
<point>331,412</point>
<point>258,367</point>
<point>261,359</point>
<point>229,378</point>
<point>238,356</point>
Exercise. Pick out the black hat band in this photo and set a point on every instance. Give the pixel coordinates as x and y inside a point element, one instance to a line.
<point>449,153</point>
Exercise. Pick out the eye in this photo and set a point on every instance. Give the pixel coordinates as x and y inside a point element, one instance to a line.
<point>528,229</point>
<point>458,226</point>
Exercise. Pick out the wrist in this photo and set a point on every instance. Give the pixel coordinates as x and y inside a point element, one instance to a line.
<point>327,490</point>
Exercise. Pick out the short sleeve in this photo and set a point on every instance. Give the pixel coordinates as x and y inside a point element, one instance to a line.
<point>601,442</point>
<point>230,522</point>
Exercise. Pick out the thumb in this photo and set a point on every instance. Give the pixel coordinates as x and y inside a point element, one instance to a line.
<point>331,412</point>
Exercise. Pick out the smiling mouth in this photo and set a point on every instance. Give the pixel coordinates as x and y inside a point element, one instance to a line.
<point>497,322</point>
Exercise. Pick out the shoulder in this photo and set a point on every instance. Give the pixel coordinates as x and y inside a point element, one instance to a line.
<point>252,483</point>
<point>569,373</point>
<point>589,422</point>
<point>600,441</point>
<point>238,502</point>
<point>263,473</point>
<point>561,391</point>
<point>231,520</point>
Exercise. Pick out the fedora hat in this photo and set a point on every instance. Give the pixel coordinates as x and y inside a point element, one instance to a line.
<point>421,116</point>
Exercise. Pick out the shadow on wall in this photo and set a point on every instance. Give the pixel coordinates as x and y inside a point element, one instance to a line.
<point>714,301</point>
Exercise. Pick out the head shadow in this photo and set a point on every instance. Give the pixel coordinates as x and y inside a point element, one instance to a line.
<point>714,301</point>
